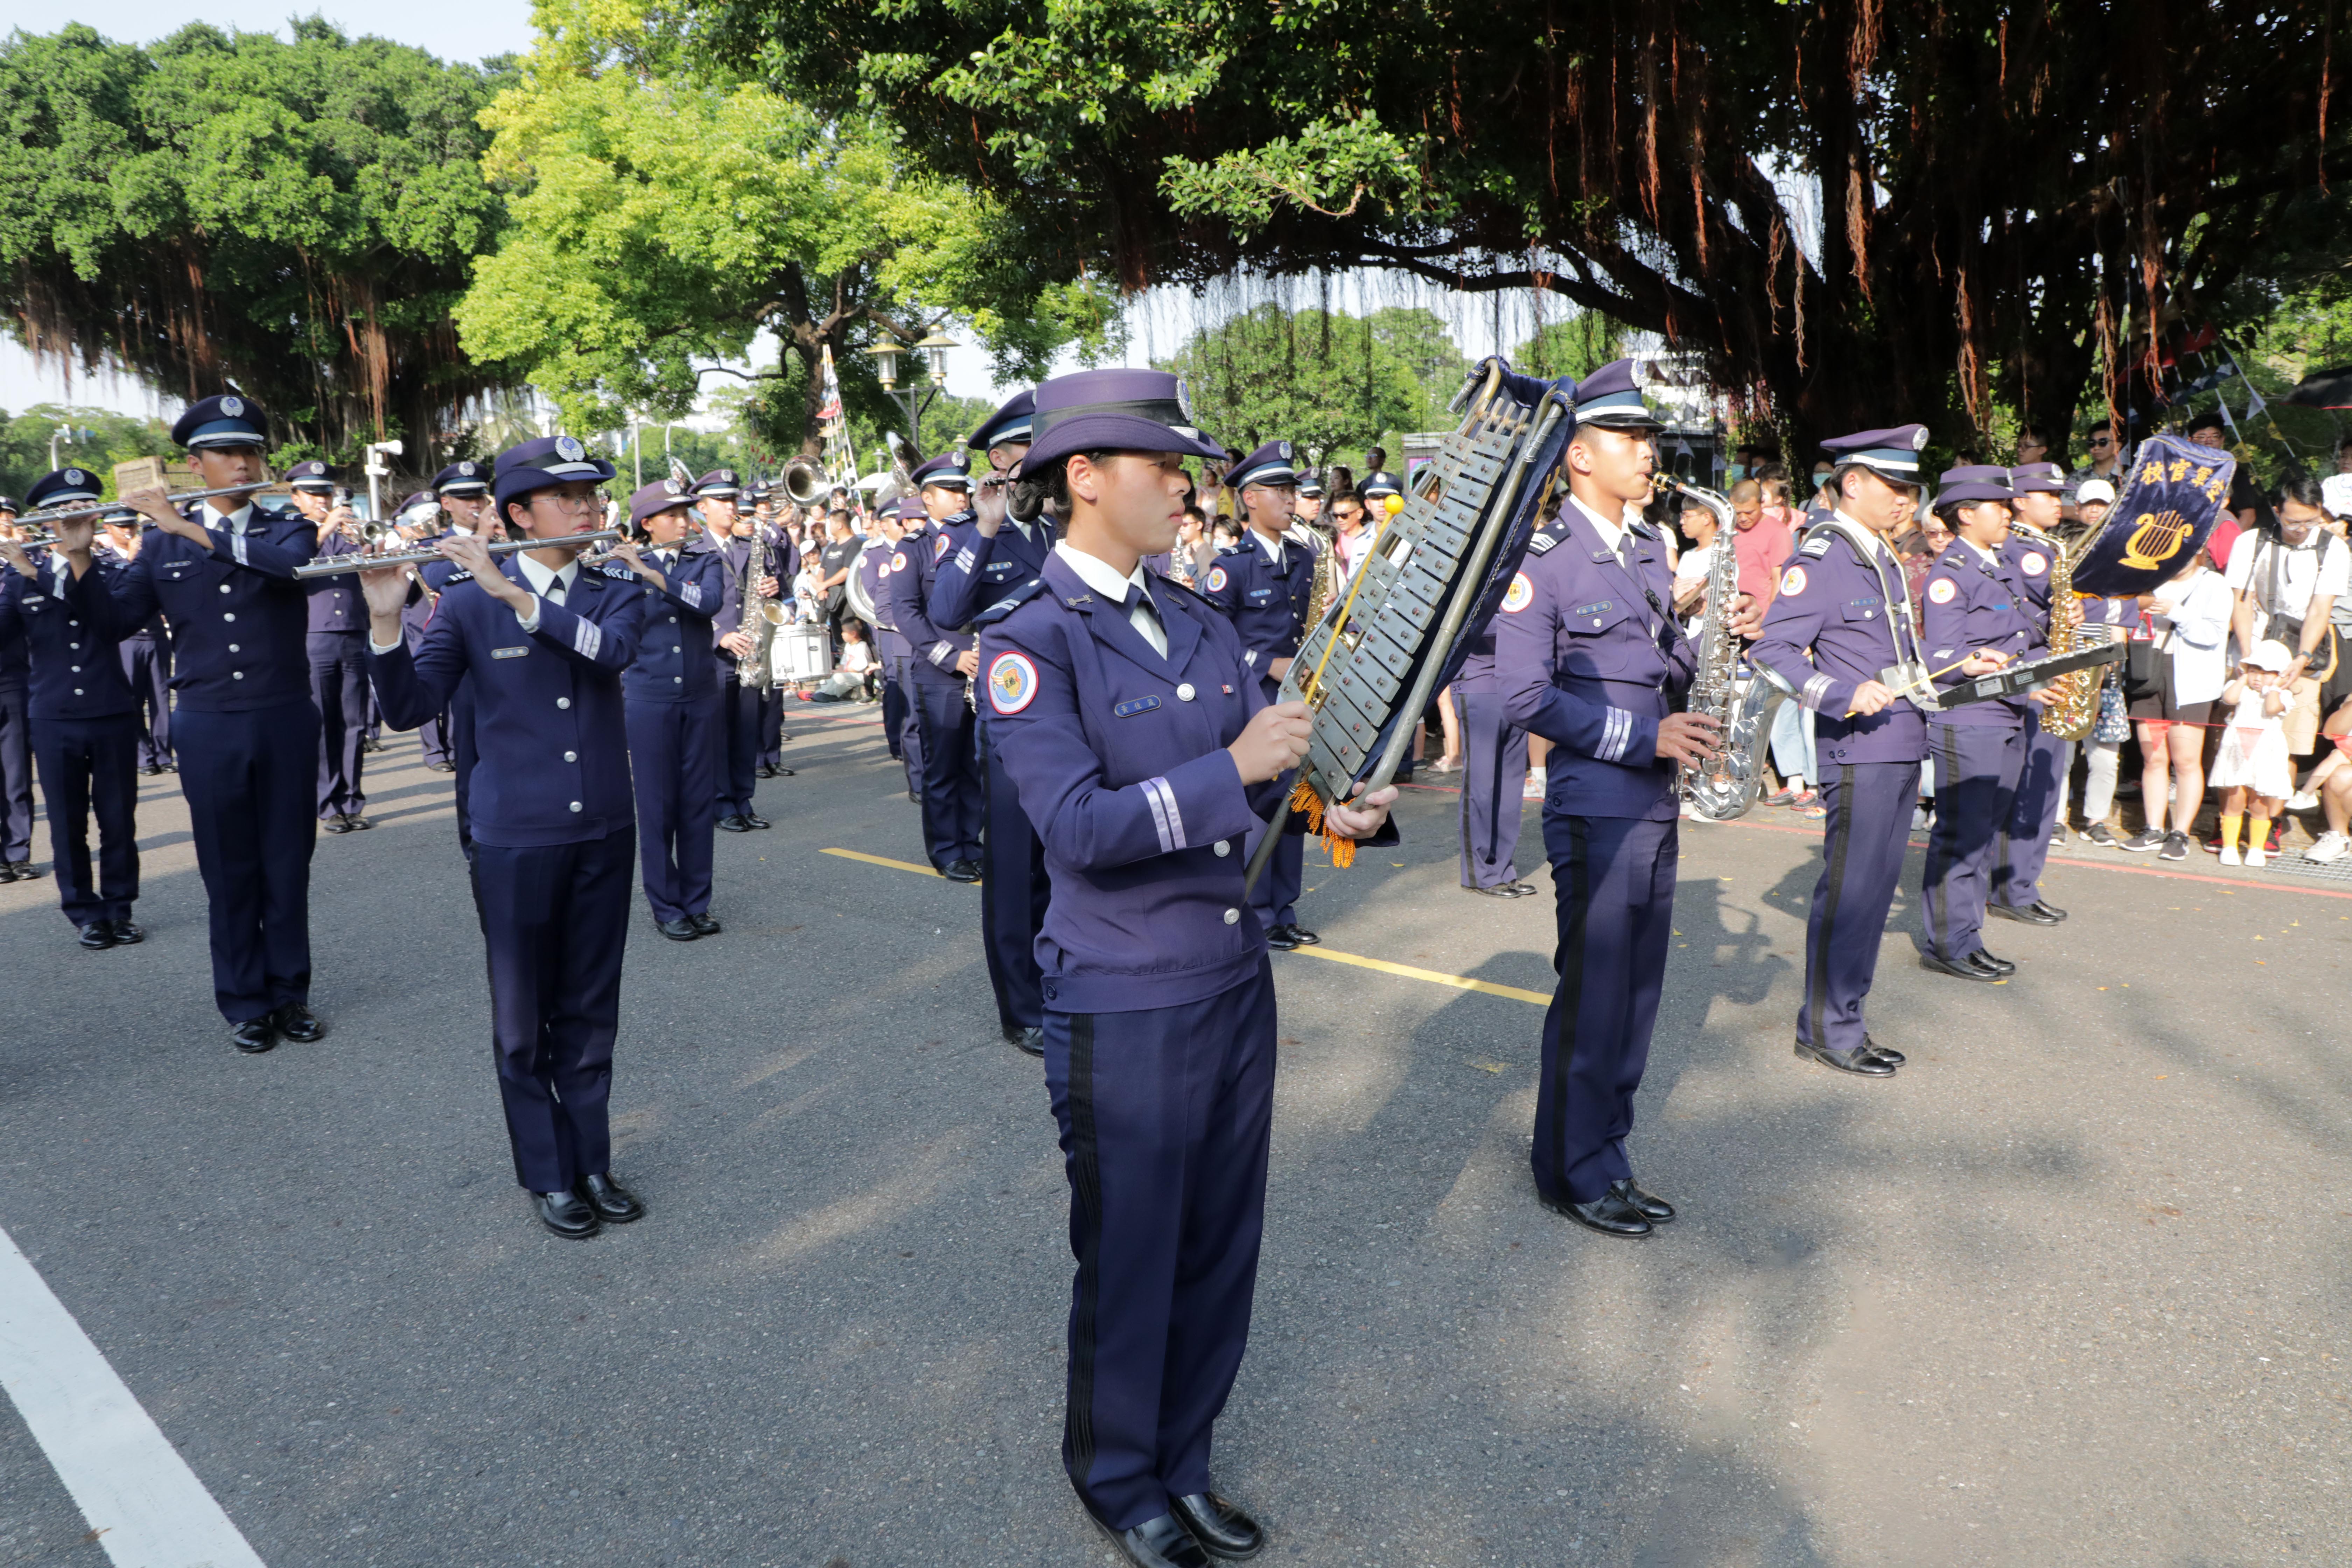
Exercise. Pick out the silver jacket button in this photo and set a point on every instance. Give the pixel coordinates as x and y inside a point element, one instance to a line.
<point>1232,917</point>
<point>1224,848</point>
<point>564,702</point>
<point>1184,692</point>
<point>575,805</point>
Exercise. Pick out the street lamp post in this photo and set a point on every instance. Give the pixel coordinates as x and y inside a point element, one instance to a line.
<point>914,400</point>
<point>376,473</point>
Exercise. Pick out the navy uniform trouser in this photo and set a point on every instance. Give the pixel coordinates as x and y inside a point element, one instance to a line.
<point>674,759</point>
<point>1866,834</point>
<point>555,919</point>
<point>1615,882</point>
<point>339,689</point>
<point>16,772</point>
<point>89,767</point>
<point>1494,774</point>
<point>894,708</point>
<point>1276,897</point>
<point>1014,888</point>
<point>772,730</point>
<point>251,780</point>
<point>1976,784</point>
<point>739,764</point>
<point>2024,846</point>
<point>1164,1117</point>
<point>951,786</point>
<point>908,726</point>
<point>464,754</point>
<point>147,665</point>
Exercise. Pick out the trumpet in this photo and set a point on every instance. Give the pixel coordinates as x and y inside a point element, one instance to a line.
<point>98,508</point>
<point>331,565</point>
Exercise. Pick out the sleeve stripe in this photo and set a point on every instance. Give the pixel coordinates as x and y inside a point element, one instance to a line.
<point>965,560</point>
<point>692,593</point>
<point>585,637</point>
<point>941,653</point>
<point>1166,818</point>
<point>1615,735</point>
<point>1816,690</point>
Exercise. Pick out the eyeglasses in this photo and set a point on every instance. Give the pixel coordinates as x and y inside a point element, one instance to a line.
<point>569,504</point>
<point>2102,441</point>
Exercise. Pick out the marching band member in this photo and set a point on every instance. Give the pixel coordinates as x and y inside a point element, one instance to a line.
<point>899,711</point>
<point>987,558</point>
<point>338,663</point>
<point>543,642</point>
<point>245,730</point>
<point>1842,618</point>
<point>1975,608</point>
<point>16,743</point>
<point>463,490</point>
<point>1140,739</point>
<point>731,537</point>
<point>1590,656</point>
<point>83,717</point>
<point>146,652</point>
<point>1262,584</point>
<point>784,564</point>
<point>2037,491</point>
<point>944,659</point>
<point>1494,774</point>
<point>676,732</point>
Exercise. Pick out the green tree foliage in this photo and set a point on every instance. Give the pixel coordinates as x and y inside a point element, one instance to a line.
<point>100,438</point>
<point>1576,347</point>
<point>1857,212</point>
<point>231,210</point>
<point>664,215</point>
<point>1319,378</point>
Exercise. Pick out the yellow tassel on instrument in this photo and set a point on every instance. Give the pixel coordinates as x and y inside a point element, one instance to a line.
<point>1303,800</point>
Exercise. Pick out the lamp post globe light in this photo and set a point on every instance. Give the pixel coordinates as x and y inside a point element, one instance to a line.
<point>914,400</point>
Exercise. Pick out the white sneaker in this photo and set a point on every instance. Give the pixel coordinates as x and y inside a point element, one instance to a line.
<point>1535,785</point>
<point>2229,856</point>
<point>2303,800</point>
<point>2255,855</point>
<point>2328,846</point>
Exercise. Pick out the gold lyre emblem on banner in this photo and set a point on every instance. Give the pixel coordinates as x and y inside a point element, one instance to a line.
<point>2155,540</point>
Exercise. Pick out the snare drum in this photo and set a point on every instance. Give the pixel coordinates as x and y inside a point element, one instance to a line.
<point>802,653</point>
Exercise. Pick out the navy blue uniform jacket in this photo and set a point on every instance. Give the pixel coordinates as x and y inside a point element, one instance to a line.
<point>1969,603</point>
<point>240,619</point>
<point>674,662</point>
<point>1846,609</point>
<point>1268,606</point>
<point>550,730</point>
<point>76,671</point>
<point>975,572</point>
<point>913,565</point>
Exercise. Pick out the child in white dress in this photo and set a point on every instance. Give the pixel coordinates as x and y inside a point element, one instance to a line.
<point>2253,768</point>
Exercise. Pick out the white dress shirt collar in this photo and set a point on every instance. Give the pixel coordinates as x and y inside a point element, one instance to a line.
<point>235,521</point>
<point>1877,539</point>
<point>1104,579</point>
<point>1610,533</point>
<point>1271,544</point>
<point>540,578</point>
<point>1989,557</point>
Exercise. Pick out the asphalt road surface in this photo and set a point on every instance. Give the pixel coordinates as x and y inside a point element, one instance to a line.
<point>2072,1288</point>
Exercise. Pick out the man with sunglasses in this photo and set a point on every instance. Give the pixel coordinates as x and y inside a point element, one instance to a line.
<point>2107,461</point>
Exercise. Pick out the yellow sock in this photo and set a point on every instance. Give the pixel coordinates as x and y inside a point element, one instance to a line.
<point>2258,832</point>
<point>2229,832</point>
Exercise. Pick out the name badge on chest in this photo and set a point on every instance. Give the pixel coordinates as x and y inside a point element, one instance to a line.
<point>508,652</point>
<point>1134,705</point>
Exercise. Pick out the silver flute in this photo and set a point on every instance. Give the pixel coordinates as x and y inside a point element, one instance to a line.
<point>329,565</point>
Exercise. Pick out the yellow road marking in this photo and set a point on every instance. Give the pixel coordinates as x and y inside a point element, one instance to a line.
<point>1459,983</point>
<point>882,861</point>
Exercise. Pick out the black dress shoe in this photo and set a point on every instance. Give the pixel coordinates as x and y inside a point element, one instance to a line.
<point>443,767</point>
<point>358,824</point>
<point>253,1036</point>
<point>613,1204</point>
<point>151,769</point>
<point>335,824</point>
<point>370,744</point>
<point>299,1024</point>
<point>707,925</point>
<point>2024,914</point>
<point>1031,1040</point>
<point>731,823</point>
<point>1301,937</point>
<point>961,871</point>
<point>23,871</point>
<point>1222,1530</point>
<point>170,767</point>
<point>7,871</point>
<point>1999,966</point>
<point>2048,911</point>
<point>1505,890</point>
<point>1883,1053</point>
<point>1279,939</point>
<point>1861,1059</point>
<point>97,936</point>
<point>679,929</point>
<point>764,770</point>
<point>1654,1209</point>
<point>127,934</point>
<point>781,773</point>
<point>1159,1542</point>
<point>1959,968</point>
<point>1610,1213</point>
<point>566,1214</point>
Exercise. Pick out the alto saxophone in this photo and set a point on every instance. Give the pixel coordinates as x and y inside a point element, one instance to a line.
<point>759,616</point>
<point>1726,785</point>
<point>2073,705</point>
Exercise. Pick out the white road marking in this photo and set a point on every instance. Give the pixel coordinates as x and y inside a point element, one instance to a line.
<point>146,1506</point>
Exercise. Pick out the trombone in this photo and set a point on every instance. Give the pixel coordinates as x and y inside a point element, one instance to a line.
<point>330,565</point>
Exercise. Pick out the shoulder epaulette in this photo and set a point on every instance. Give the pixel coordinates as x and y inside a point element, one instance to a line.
<point>1816,544</point>
<point>1233,549</point>
<point>1543,539</point>
<point>1186,588</point>
<point>1640,525</point>
<point>1010,602</point>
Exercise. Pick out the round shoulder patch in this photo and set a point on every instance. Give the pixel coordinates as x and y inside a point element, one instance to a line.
<point>1793,580</point>
<point>940,548</point>
<point>1522,595</point>
<point>1216,579</point>
<point>1011,683</point>
<point>2034,562</point>
<point>898,562</point>
<point>1943,591</point>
